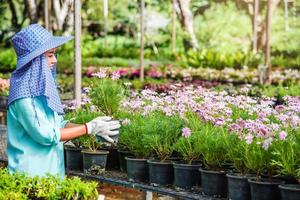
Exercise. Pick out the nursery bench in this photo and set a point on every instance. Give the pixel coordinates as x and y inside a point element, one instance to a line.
<point>120,179</point>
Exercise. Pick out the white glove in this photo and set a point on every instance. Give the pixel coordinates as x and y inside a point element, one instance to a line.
<point>104,127</point>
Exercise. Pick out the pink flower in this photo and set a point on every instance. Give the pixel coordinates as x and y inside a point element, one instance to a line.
<point>90,71</point>
<point>126,122</point>
<point>115,75</point>
<point>186,132</point>
<point>282,135</point>
<point>267,143</point>
<point>219,121</point>
<point>249,138</point>
<point>93,108</point>
<point>101,73</point>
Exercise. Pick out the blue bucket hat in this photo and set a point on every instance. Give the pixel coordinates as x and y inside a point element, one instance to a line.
<point>33,41</point>
<point>33,77</point>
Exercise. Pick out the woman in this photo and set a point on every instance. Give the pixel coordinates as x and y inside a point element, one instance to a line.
<point>35,125</point>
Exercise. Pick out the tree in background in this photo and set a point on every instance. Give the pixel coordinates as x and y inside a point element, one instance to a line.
<point>186,20</point>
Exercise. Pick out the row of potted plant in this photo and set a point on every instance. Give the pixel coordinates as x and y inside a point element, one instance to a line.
<point>242,131</point>
<point>20,186</point>
<point>103,97</point>
<point>219,129</point>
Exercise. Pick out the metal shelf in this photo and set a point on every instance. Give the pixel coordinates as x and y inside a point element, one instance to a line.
<point>120,179</point>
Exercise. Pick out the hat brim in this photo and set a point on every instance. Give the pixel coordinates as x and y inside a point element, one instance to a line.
<point>53,42</point>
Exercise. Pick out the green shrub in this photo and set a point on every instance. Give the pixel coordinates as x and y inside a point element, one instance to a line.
<point>131,136</point>
<point>8,60</point>
<point>287,155</point>
<point>187,147</point>
<point>107,95</point>
<point>20,186</point>
<point>162,133</point>
<point>82,116</point>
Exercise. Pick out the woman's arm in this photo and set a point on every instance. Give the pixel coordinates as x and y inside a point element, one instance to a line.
<point>72,131</point>
<point>69,125</point>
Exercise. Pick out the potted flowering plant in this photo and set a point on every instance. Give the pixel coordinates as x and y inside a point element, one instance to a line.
<point>186,173</point>
<point>258,157</point>
<point>132,138</point>
<point>214,154</point>
<point>87,153</point>
<point>106,93</point>
<point>287,159</point>
<point>161,134</point>
<point>238,186</point>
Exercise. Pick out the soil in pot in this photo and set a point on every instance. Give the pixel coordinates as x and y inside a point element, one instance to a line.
<point>160,173</point>
<point>94,162</point>
<point>73,158</point>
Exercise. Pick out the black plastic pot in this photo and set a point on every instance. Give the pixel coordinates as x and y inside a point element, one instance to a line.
<point>185,175</point>
<point>122,154</point>
<point>238,187</point>
<point>290,191</point>
<point>214,183</point>
<point>137,169</point>
<point>265,190</point>
<point>160,173</point>
<point>73,158</point>
<point>112,158</point>
<point>94,161</point>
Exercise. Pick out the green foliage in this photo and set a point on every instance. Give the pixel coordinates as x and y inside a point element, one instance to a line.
<point>82,116</point>
<point>162,133</point>
<point>187,147</point>
<point>258,159</point>
<point>74,186</point>
<point>8,60</point>
<point>20,186</point>
<point>207,141</point>
<point>213,146</point>
<point>238,113</point>
<point>236,153</point>
<point>131,136</point>
<point>208,57</point>
<point>224,28</point>
<point>287,155</point>
<point>280,91</point>
<point>107,95</point>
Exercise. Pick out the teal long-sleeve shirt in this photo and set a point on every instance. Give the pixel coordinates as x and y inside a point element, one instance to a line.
<point>33,138</point>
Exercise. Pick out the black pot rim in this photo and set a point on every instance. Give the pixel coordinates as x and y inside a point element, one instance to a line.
<point>265,181</point>
<point>176,164</point>
<point>66,147</point>
<point>98,152</point>
<point>211,171</point>
<point>290,187</point>
<point>182,163</point>
<point>152,161</point>
<point>136,159</point>
<point>239,176</point>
